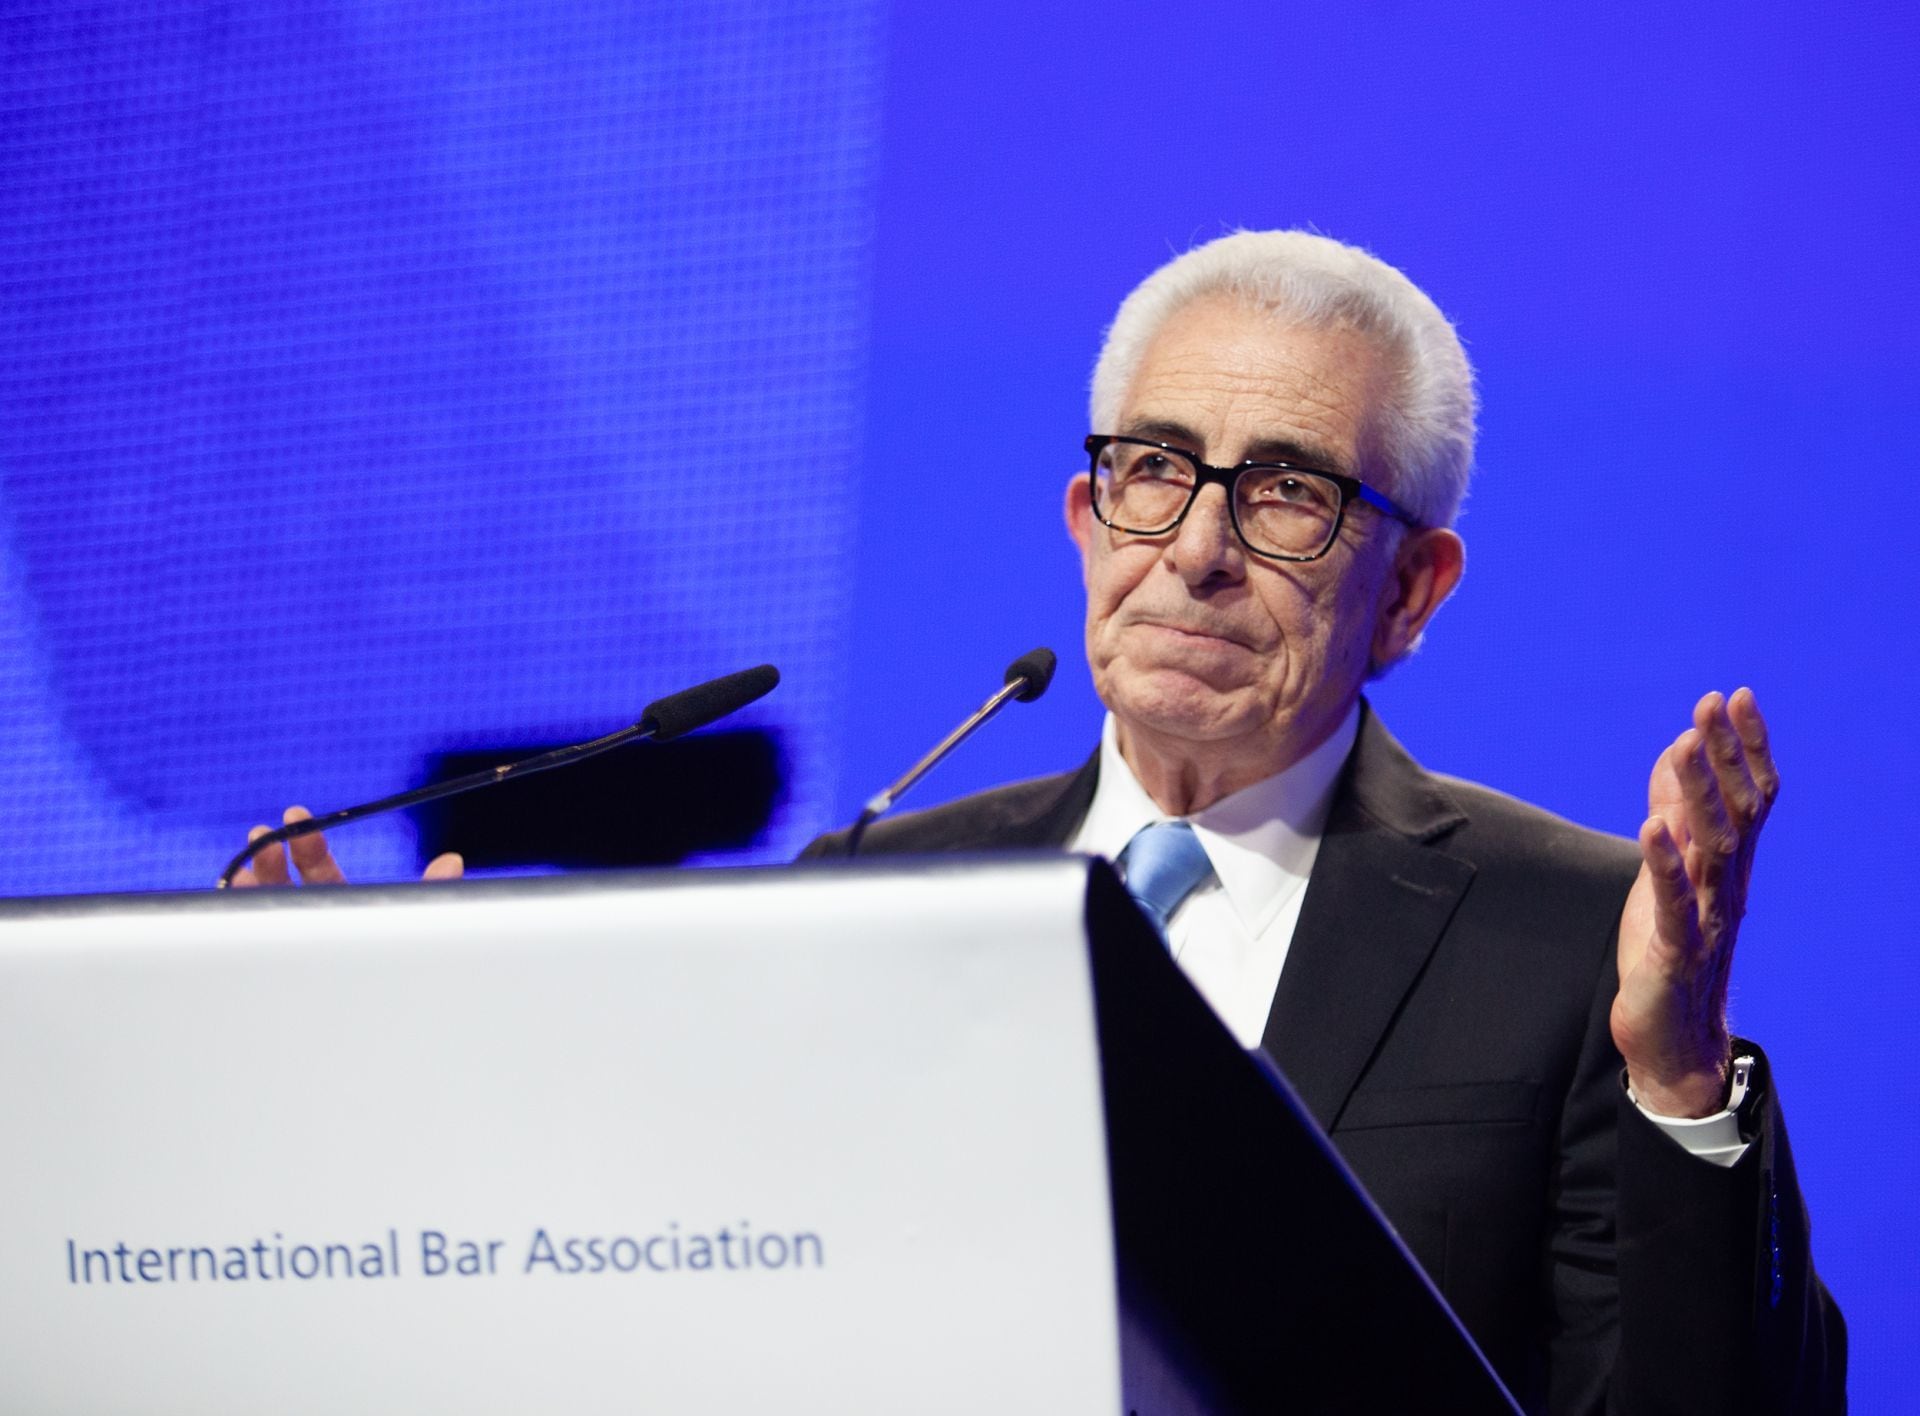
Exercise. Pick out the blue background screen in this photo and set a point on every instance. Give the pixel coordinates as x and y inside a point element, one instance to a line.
<point>385,381</point>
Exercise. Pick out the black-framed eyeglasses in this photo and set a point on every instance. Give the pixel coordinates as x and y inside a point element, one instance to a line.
<point>1279,510</point>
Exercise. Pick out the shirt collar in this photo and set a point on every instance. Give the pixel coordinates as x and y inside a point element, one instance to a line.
<point>1261,840</point>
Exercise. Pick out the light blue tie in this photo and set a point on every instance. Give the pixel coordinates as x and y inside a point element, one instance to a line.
<point>1162,865</point>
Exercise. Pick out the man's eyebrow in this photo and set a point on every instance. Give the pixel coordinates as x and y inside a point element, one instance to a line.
<point>1289,450</point>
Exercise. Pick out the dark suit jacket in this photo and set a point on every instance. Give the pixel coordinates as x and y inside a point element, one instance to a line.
<point>1443,1014</point>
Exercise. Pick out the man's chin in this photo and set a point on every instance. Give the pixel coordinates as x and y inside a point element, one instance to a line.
<point>1181,705</point>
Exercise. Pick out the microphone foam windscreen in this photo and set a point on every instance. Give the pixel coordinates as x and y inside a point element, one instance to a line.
<point>708,702</point>
<point>1036,667</point>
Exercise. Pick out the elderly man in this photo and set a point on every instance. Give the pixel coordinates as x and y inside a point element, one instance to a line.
<point>1513,1029</point>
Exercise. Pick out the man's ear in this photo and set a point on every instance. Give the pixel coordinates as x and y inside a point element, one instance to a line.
<point>1426,566</point>
<point>1080,518</point>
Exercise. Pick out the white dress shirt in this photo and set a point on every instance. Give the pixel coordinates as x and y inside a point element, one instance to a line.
<point>1231,935</point>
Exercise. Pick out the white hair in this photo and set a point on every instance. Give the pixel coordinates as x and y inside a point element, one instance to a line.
<point>1424,434</point>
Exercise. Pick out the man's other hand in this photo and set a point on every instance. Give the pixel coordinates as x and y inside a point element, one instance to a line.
<point>315,863</point>
<point>1709,796</point>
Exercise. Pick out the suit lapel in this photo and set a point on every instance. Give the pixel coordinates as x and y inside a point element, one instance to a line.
<point>1380,896</point>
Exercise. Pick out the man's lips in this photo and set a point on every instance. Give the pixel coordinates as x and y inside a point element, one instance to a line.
<point>1196,634</point>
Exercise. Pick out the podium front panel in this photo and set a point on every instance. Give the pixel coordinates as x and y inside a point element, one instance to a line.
<point>722,1141</point>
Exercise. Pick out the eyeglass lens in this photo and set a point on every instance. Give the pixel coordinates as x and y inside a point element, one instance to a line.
<point>1281,512</point>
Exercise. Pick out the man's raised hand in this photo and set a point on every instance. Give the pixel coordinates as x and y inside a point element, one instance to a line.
<point>1708,797</point>
<point>315,863</point>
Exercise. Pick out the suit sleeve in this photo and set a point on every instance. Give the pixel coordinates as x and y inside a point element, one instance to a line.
<point>826,847</point>
<point>1678,1285</point>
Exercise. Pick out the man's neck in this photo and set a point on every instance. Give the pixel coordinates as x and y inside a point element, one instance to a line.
<point>1184,776</point>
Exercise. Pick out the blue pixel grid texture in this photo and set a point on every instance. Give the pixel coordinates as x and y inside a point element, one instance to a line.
<point>387,379</point>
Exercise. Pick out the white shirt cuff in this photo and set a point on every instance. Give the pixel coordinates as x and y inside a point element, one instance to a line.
<point>1715,1139</point>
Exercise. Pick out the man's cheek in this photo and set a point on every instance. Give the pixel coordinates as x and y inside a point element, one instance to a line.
<point>1105,596</point>
<point>1099,636</point>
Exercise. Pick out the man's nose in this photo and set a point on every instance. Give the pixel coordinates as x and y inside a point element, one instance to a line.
<point>1206,547</point>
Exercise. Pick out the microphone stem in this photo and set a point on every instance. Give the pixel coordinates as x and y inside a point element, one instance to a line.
<point>885,800</point>
<point>559,757</point>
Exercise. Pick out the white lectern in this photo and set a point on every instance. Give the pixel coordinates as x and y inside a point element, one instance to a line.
<point>927,1138</point>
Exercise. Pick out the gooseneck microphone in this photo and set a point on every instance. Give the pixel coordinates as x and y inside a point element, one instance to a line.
<point>1027,678</point>
<point>663,719</point>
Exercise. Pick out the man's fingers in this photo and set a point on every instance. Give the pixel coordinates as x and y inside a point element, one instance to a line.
<point>1728,757</point>
<point>1712,836</point>
<point>315,861</point>
<point>270,866</point>
<point>1676,919</point>
<point>1743,710</point>
<point>243,879</point>
<point>450,866</point>
<point>310,853</point>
